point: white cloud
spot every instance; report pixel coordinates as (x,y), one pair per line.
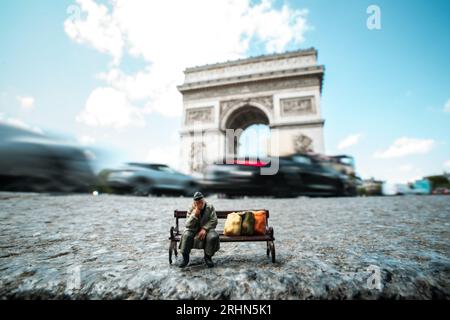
(26,102)
(136,87)
(447,163)
(447,106)
(349,141)
(108,107)
(99,28)
(406,146)
(171,35)
(152,86)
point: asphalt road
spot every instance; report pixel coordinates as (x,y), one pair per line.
(116,247)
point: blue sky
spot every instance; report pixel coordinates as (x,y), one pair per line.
(384,97)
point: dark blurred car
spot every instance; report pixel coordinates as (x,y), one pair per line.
(297,175)
(31,161)
(441,190)
(345,165)
(243,177)
(143,179)
(328,173)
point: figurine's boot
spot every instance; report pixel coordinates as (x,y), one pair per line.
(209,261)
(185,261)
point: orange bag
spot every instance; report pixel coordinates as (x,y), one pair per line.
(260,222)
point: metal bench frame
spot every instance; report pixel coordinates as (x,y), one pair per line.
(175,235)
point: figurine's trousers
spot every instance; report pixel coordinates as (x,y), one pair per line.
(210,244)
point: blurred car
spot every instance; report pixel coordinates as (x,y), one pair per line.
(320,179)
(243,177)
(297,175)
(31,161)
(345,165)
(143,179)
(441,190)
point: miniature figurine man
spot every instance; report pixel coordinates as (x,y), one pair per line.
(199,231)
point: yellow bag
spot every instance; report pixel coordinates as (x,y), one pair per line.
(233,224)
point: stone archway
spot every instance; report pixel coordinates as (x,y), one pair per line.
(281,90)
(239,119)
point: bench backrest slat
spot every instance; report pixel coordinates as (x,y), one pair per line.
(179,214)
(221,214)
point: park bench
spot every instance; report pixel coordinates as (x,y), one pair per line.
(175,233)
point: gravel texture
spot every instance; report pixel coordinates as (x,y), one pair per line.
(116,247)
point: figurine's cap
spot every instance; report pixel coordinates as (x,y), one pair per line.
(198,195)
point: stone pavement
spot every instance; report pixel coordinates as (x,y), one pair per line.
(116,247)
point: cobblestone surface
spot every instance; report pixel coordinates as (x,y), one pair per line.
(116,247)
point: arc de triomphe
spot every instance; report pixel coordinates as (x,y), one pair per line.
(280,90)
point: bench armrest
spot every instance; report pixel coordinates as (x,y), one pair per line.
(172,234)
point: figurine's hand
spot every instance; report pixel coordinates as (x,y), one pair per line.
(201,234)
(196,211)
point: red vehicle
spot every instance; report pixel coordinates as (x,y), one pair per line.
(443,191)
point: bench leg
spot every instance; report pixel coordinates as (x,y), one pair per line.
(273,252)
